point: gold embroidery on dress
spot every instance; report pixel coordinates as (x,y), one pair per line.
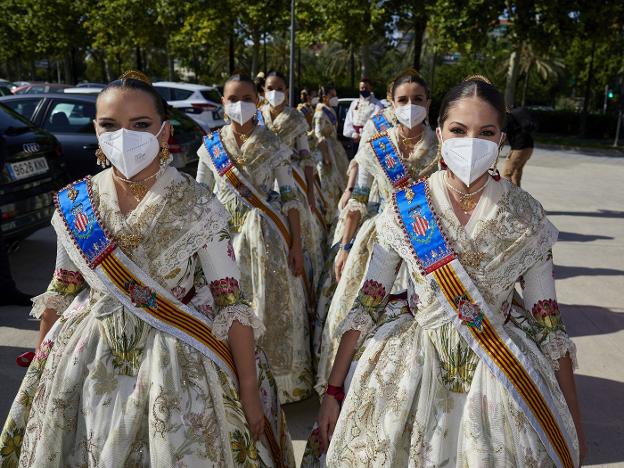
(472,259)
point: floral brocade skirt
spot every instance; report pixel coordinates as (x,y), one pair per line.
(112,391)
(279,299)
(420,398)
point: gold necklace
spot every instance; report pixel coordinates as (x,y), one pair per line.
(466,202)
(243,136)
(405,140)
(138,189)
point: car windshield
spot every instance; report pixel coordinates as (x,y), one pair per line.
(11,120)
(184,127)
(211,95)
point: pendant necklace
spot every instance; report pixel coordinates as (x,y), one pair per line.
(138,189)
(466,201)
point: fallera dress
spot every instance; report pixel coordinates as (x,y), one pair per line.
(290,125)
(277,296)
(106,388)
(418,395)
(334,177)
(422,162)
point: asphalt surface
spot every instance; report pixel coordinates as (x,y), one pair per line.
(584,197)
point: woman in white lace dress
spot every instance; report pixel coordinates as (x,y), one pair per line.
(415,145)
(456,379)
(291,126)
(334,163)
(124,377)
(244,162)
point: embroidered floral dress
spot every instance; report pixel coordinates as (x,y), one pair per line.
(107,389)
(419,396)
(333,178)
(422,162)
(327,281)
(278,297)
(291,127)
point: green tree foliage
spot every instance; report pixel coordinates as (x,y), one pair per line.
(543,52)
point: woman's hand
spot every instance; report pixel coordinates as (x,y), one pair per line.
(346,195)
(295,259)
(341,259)
(325,152)
(328,416)
(250,399)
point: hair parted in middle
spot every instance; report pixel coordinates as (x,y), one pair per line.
(474,86)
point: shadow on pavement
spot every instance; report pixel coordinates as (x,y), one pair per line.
(591,214)
(11,376)
(17,317)
(576,237)
(563,272)
(589,320)
(602,410)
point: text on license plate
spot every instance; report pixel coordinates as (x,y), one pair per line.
(24,169)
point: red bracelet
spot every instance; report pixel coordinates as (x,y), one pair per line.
(337,392)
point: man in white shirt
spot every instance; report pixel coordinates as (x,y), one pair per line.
(360,111)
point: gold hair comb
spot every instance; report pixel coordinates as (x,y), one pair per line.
(136,75)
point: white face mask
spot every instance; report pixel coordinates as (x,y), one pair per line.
(240,111)
(275,97)
(130,151)
(315,101)
(333,101)
(410,114)
(469,158)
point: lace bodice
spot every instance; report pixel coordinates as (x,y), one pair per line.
(507,240)
(177,234)
(263,160)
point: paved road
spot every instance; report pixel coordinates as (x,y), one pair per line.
(584,196)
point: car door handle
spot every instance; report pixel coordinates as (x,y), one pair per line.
(90,147)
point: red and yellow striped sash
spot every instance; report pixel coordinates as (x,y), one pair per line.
(166,312)
(487,337)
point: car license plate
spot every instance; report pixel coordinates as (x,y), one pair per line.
(25,169)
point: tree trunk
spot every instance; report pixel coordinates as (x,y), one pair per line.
(590,77)
(434,57)
(255,53)
(298,68)
(170,64)
(512,78)
(526,84)
(231,46)
(420,25)
(264,53)
(67,69)
(107,71)
(364,51)
(103,72)
(352,66)
(139,62)
(195,67)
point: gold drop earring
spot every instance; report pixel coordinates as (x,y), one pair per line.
(101,158)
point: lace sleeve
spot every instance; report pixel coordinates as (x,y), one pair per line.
(539,297)
(222,276)
(374,292)
(318,126)
(287,188)
(66,283)
(205,175)
(361,192)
